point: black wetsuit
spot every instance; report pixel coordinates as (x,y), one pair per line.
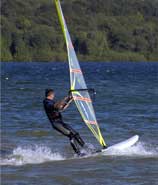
(56,120)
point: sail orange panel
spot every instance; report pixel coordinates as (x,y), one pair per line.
(91,122)
(82,98)
(76,71)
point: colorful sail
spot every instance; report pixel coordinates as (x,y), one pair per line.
(78,86)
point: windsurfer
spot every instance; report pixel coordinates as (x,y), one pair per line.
(53,110)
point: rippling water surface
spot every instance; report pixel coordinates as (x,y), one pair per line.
(126,104)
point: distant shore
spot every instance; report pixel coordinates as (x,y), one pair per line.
(116,57)
(81,61)
(100,30)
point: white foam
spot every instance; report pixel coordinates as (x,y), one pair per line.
(31,155)
(139,150)
(39,154)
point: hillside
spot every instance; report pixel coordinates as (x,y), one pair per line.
(102,30)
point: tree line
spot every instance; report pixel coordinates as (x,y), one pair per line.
(102,30)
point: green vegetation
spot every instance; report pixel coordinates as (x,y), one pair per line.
(102,30)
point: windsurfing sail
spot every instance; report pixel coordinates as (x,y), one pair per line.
(78,86)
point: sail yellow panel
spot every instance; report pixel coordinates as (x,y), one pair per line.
(78,85)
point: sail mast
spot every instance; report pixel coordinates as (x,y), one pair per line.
(78,87)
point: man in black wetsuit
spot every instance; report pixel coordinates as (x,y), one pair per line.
(53,110)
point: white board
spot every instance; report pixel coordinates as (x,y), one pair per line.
(123,145)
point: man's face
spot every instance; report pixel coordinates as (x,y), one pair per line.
(52,95)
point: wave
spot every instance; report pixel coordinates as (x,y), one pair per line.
(31,155)
(39,154)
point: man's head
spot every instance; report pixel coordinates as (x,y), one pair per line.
(49,93)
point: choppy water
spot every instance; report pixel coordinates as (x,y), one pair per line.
(126,104)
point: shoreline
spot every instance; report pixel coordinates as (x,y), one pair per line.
(88,61)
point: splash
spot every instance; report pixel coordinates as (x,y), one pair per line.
(30,155)
(40,154)
(139,150)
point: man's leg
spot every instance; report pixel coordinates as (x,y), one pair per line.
(79,139)
(75,134)
(60,127)
(74,145)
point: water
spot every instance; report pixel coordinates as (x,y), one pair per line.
(126,104)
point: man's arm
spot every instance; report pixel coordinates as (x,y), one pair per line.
(66,106)
(63,104)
